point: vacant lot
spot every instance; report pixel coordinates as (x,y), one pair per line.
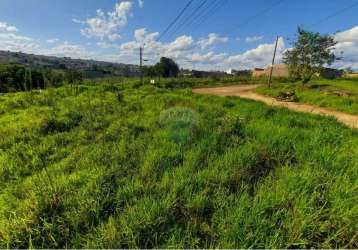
(123,166)
(341,95)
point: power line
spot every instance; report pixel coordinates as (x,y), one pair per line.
(327,18)
(335,14)
(207,8)
(176,19)
(260,13)
(186,20)
(210,13)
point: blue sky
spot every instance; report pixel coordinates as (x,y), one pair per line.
(238,35)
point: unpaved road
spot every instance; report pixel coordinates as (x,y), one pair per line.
(247,92)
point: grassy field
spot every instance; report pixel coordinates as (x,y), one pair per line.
(340,94)
(119,165)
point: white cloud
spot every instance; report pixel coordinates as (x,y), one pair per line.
(105,26)
(187,51)
(52,40)
(182,43)
(175,49)
(4,27)
(348,35)
(103,45)
(211,40)
(141,3)
(75,20)
(10,40)
(252,39)
(208,58)
(348,46)
(142,36)
(14,37)
(15,45)
(259,57)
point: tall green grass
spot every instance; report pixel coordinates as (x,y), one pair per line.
(120,165)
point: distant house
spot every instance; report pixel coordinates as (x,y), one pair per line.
(282,70)
(258,72)
(279,70)
(186,73)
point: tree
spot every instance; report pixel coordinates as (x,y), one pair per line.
(74,76)
(167,67)
(150,71)
(310,52)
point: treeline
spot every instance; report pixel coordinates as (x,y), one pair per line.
(15,77)
(166,68)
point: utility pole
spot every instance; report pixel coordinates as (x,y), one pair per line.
(141,64)
(273,62)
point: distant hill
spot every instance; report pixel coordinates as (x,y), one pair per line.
(91,68)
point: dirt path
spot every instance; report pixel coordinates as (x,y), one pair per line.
(247,92)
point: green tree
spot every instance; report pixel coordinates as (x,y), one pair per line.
(167,67)
(310,52)
(11,77)
(150,71)
(74,77)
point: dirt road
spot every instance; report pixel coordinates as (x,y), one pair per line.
(247,92)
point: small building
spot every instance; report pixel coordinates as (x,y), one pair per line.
(258,72)
(186,73)
(279,70)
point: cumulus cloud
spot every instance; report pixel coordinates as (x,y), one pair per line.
(188,51)
(104,45)
(105,26)
(182,43)
(212,39)
(15,37)
(4,27)
(18,45)
(348,46)
(142,36)
(252,39)
(350,35)
(12,41)
(177,49)
(258,57)
(208,58)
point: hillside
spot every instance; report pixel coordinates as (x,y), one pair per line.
(119,165)
(91,67)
